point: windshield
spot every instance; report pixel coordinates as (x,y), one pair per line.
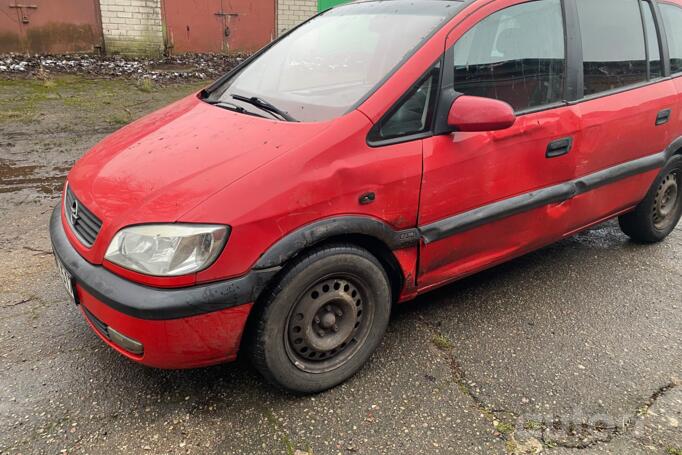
(321,70)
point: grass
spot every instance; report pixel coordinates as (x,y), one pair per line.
(511,446)
(145,85)
(289,445)
(119,119)
(673,451)
(82,102)
(442,342)
(533,425)
(504,428)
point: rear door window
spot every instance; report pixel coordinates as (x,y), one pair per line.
(614,53)
(652,41)
(672,19)
(516,55)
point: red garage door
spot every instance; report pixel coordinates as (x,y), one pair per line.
(218,25)
(49,26)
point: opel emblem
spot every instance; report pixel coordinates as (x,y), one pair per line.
(74,212)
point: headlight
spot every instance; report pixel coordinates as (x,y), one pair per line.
(167,249)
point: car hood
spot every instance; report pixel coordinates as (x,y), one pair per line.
(161,166)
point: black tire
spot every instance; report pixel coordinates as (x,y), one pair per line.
(660,211)
(323,319)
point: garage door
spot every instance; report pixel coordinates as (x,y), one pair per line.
(218,25)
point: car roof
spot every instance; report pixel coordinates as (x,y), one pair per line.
(410,6)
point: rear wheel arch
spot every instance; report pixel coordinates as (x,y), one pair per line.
(656,216)
(675,148)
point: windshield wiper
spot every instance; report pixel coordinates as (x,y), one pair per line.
(260,103)
(232,107)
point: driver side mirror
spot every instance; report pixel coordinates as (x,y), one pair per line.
(477,114)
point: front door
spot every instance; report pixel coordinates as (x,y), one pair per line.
(490,196)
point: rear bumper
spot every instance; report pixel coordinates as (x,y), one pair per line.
(176,328)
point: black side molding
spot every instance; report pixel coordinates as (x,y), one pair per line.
(619,172)
(316,232)
(149,303)
(535,199)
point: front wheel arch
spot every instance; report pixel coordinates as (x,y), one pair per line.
(259,336)
(373,245)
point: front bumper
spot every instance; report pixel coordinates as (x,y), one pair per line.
(177,328)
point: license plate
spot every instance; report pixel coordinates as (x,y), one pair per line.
(67,279)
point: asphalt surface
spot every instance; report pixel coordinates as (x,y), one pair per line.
(574,349)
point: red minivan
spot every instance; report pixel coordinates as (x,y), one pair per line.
(378,151)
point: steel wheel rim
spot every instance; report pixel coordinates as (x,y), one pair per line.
(328,323)
(666,201)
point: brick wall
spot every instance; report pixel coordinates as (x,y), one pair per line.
(132,27)
(290,13)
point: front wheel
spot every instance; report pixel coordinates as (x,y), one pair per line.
(323,320)
(658,214)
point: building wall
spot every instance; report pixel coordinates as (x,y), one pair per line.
(136,27)
(290,13)
(49,26)
(132,27)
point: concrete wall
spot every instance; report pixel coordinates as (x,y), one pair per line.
(290,13)
(132,27)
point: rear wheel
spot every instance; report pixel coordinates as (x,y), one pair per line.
(658,214)
(323,319)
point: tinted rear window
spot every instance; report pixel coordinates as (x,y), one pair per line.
(672,19)
(653,44)
(614,52)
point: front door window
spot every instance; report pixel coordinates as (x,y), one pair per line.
(516,55)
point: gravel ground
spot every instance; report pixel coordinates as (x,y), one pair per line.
(574,349)
(186,67)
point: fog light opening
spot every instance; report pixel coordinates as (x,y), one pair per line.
(130,345)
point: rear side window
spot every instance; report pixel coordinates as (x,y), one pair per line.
(516,55)
(614,52)
(672,19)
(653,44)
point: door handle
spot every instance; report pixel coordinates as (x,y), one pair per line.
(663,117)
(559,147)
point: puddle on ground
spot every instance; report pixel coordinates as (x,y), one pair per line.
(15,177)
(604,236)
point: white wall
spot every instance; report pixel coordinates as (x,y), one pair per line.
(132,27)
(290,13)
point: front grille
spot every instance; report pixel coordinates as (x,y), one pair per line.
(82,221)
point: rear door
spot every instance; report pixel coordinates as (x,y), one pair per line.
(671,14)
(625,103)
(490,196)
